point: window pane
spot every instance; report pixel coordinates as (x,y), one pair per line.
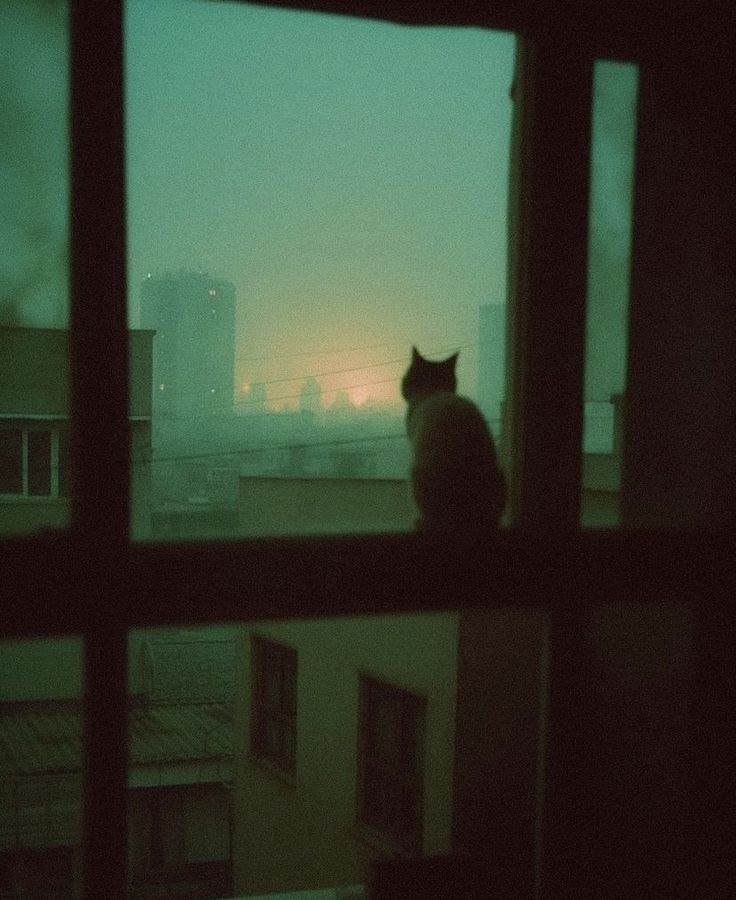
(64,464)
(456,704)
(11,461)
(40,768)
(308,197)
(409,728)
(609,254)
(39,462)
(34,241)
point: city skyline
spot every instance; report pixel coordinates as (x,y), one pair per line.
(350,178)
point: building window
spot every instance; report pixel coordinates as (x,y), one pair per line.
(390,762)
(273,727)
(34,462)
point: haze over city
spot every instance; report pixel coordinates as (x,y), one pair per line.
(350,178)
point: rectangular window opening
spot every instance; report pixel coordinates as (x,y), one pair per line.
(391,762)
(339,195)
(612,171)
(274,705)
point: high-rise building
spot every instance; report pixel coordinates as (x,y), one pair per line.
(193,315)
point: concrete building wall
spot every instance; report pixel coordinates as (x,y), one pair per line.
(498,741)
(272,506)
(301,833)
(40,669)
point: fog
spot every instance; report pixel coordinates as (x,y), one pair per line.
(346,180)
(34,181)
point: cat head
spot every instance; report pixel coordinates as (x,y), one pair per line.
(424,377)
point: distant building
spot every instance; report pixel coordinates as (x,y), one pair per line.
(180,728)
(310,396)
(180,682)
(34,429)
(193,316)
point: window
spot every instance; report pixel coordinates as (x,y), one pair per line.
(374,161)
(274,704)
(682,230)
(613,143)
(390,762)
(34,462)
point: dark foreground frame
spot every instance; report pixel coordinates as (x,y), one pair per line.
(92,580)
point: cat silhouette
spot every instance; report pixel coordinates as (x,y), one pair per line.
(455,478)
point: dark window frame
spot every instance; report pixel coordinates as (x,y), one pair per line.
(545,560)
(400,779)
(274,704)
(54,469)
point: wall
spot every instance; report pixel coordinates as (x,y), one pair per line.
(301,835)
(24,515)
(40,669)
(271,506)
(499,715)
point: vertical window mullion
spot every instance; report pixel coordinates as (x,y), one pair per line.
(99,427)
(548,253)
(548,262)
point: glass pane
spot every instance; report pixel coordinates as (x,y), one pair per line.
(609,253)
(308,197)
(34,237)
(410,731)
(210,816)
(11,461)
(40,768)
(39,463)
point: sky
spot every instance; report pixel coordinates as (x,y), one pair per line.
(34,161)
(349,177)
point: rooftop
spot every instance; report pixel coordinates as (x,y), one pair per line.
(44,738)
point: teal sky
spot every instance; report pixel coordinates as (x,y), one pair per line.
(349,177)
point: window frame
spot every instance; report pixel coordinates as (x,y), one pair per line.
(373,692)
(268,659)
(55,480)
(544,561)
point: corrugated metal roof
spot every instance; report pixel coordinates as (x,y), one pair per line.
(176,733)
(190,669)
(40,739)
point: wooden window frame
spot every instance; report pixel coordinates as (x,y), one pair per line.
(544,560)
(373,691)
(269,658)
(56,482)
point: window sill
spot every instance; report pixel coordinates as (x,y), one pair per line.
(32,499)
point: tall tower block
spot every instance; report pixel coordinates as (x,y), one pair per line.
(193,316)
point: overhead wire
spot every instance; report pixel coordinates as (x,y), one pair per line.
(245,401)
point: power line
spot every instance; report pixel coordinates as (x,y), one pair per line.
(318,352)
(315,375)
(246,451)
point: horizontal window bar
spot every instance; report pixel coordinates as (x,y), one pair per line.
(156,585)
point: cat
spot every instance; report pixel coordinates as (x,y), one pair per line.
(455,479)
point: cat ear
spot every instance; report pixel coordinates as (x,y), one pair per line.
(415,354)
(451,361)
